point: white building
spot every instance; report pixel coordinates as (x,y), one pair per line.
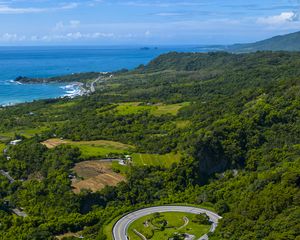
(15,142)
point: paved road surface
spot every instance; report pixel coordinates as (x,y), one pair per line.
(93,88)
(19,212)
(121,227)
(6,174)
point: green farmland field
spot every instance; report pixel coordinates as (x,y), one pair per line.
(156,110)
(90,149)
(155,159)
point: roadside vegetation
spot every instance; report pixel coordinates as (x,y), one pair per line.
(217,129)
(167,225)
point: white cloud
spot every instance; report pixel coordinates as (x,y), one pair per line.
(4,9)
(7,9)
(74,23)
(147,33)
(61,26)
(68,6)
(12,37)
(168,14)
(93,3)
(284,17)
(70,36)
(163,4)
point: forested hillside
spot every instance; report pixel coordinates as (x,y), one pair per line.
(233,119)
(288,42)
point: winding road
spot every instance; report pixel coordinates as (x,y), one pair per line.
(93,88)
(6,174)
(121,227)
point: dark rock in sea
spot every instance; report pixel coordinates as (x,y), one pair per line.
(23,79)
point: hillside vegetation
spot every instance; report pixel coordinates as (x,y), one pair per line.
(76,77)
(289,42)
(238,139)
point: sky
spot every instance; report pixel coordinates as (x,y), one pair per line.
(141,22)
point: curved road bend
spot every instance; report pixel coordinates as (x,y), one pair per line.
(121,227)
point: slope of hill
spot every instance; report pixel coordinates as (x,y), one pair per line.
(237,131)
(289,42)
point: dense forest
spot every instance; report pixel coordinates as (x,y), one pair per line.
(237,130)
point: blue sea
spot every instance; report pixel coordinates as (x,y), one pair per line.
(54,61)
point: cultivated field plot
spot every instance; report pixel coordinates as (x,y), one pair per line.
(165,225)
(172,109)
(53,142)
(95,175)
(156,109)
(99,148)
(165,160)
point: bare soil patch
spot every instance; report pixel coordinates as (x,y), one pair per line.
(54,142)
(95,175)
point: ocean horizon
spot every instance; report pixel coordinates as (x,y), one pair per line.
(49,61)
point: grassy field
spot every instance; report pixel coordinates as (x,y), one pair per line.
(182,124)
(155,159)
(109,228)
(172,109)
(64,105)
(28,132)
(157,109)
(2,147)
(131,108)
(99,148)
(175,223)
(119,168)
(95,175)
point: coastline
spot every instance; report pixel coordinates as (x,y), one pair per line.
(58,62)
(71,90)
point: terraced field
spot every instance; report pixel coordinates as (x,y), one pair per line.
(95,175)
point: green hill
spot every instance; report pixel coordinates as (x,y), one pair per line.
(236,150)
(289,42)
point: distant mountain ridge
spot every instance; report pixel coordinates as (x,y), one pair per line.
(288,42)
